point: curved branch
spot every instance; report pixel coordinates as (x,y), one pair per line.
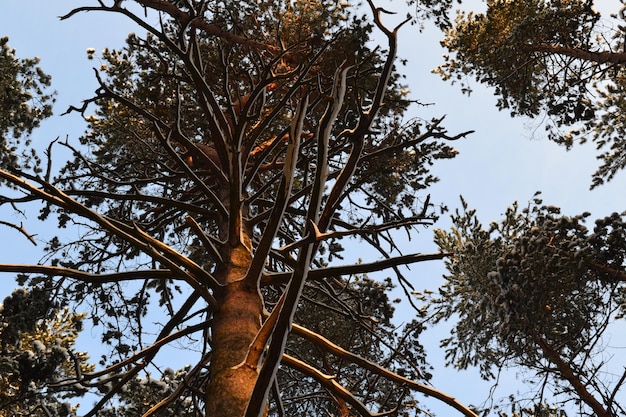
(163,338)
(149,353)
(364,124)
(195,276)
(338,351)
(323,136)
(184,18)
(200,23)
(282,198)
(20,229)
(329,382)
(567,373)
(182,205)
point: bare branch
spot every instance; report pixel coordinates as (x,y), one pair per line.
(275,278)
(282,198)
(329,382)
(265,333)
(601,57)
(133,235)
(165,336)
(567,373)
(86,276)
(22,230)
(379,370)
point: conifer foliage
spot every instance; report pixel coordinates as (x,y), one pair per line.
(232,149)
(559,60)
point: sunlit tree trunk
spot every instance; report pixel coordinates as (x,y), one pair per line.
(235,325)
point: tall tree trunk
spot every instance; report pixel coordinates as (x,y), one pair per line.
(235,325)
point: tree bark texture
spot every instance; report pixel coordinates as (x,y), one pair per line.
(236,323)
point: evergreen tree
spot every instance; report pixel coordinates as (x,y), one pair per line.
(537,291)
(232,149)
(560,60)
(25,103)
(37,356)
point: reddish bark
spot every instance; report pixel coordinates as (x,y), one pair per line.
(600,57)
(567,373)
(236,322)
(235,326)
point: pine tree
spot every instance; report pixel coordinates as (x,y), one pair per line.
(232,150)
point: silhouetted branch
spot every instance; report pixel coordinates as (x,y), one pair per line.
(83,276)
(327,345)
(275,278)
(22,230)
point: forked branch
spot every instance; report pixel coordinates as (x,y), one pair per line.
(338,351)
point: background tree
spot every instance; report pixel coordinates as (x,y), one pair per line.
(37,356)
(537,290)
(561,60)
(232,150)
(25,103)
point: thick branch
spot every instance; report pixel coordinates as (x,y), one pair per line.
(317,274)
(282,197)
(567,373)
(613,273)
(211,29)
(601,57)
(338,351)
(197,277)
(323,137)
(265,333)
(184,19)
(276,347)
(365,122)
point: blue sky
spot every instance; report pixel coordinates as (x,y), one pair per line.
(503,161)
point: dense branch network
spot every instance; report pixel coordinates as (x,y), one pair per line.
(232,151)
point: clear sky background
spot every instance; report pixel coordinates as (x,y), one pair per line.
(505,160)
